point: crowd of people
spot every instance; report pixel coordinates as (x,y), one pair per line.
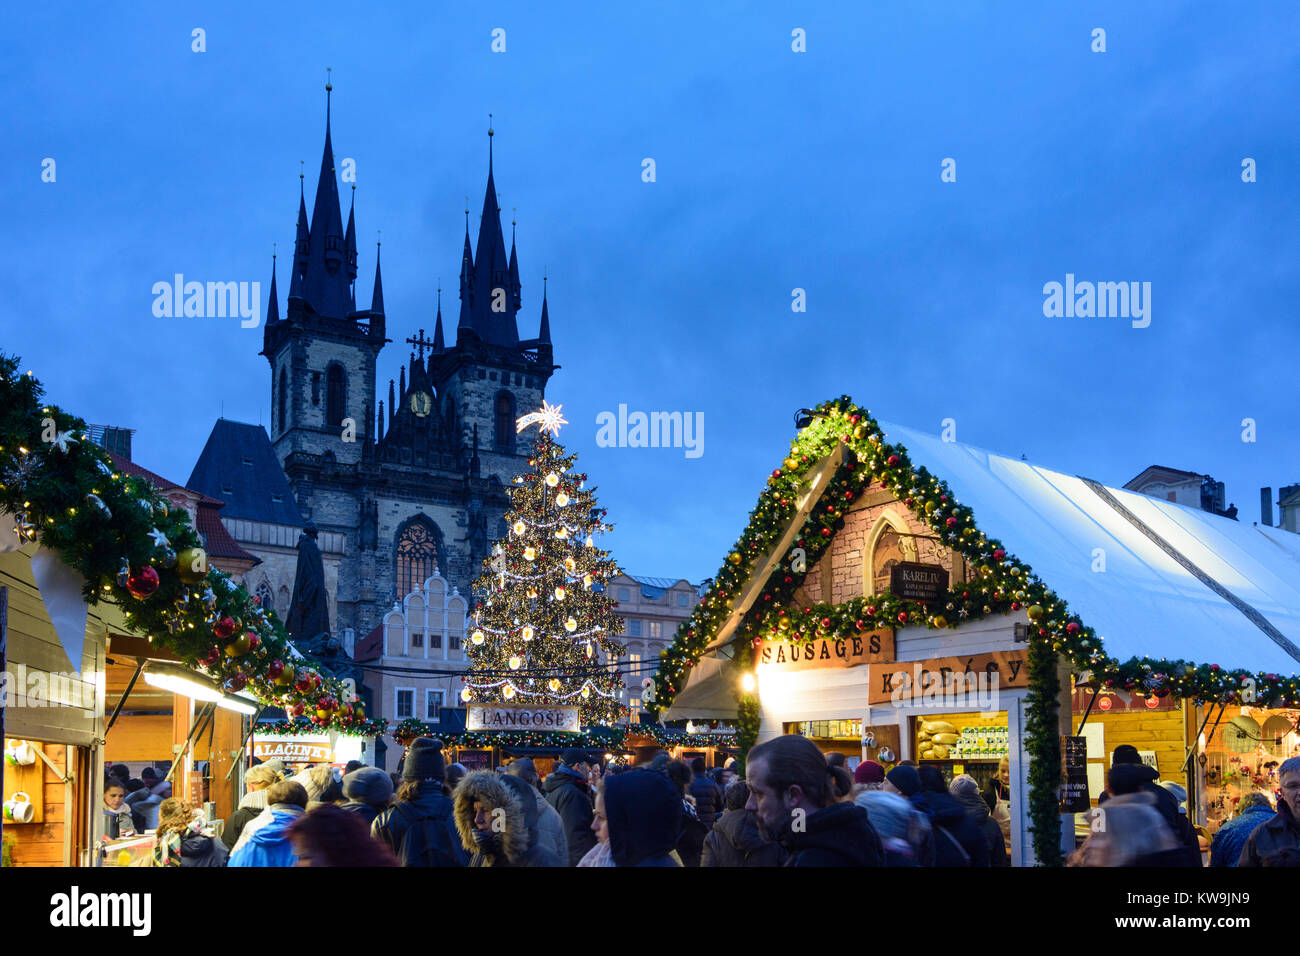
(795,806)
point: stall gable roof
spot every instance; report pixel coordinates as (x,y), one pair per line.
(1151,577)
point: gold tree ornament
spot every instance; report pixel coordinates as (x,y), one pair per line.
(561,499)
(571,625)
(520,527)
(477,637)
(466,694)
(508,692)
(515,663)
(527,632)
(552,480)
(530,553)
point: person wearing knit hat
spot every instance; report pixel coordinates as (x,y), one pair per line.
(368,790)
(569,792)
(903,780)
(420,828)
(869,772)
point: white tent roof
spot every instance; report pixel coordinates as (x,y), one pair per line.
(1147,602)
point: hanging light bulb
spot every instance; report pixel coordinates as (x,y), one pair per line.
(553,685)
(559,593)
(561,499)
(515,662)
(589,649)
(552,480)
(519,527)
(571,625)
(476,637)
(590,543)
(530,553)
(586,580)
(466,694)
(570,565)
(527,632)
(532,592)
(561,532)
(586,692)
(508,692)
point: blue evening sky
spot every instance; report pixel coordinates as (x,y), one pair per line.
(776,170)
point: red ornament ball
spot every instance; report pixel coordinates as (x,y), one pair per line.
(224,628)
(998,554)
(893,460)
(142,583)
(1072,628)
(902,617)
(951,522)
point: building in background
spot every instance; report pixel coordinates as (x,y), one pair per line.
(1288,505)
(652,609)
(1190,488)
(412,660)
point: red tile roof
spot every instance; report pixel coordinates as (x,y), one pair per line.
(370,647)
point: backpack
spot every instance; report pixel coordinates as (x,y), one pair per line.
(420,844)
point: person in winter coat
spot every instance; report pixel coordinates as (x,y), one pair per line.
(947,814)
(690,842)
(709,801)
(598,855)
(965,789)
(735,839)
(258,780)
(904,831)
(265,841)
(550,828)
(1228,843)
(334,836)
(567,791)
(117,815)
(1132,832)
(1282,830)
(420,828)
(180,840)
(791,792)
(905,782)
(496,817)
(1165,802)
(368,791)
(643,810)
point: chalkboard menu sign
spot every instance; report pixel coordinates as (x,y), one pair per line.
(918,582)
(1074,775)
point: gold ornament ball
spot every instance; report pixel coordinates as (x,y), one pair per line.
(1035,612)
(192,565)
(734,557)
(476,637)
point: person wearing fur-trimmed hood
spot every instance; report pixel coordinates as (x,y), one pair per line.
(496,817)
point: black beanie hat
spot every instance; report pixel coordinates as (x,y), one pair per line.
(423,760)
(1125,753)
(906,779)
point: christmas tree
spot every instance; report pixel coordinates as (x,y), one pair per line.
(543,630)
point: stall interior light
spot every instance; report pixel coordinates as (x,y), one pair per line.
(239,703)
(178,680)
(748,683)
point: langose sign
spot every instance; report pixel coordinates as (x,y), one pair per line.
(309,748)
(521,717)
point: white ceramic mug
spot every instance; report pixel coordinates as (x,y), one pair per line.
(20,753)
(18,808)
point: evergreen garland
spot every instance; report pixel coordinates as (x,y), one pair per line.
(1042,729)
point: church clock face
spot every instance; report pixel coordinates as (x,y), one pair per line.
(421,403)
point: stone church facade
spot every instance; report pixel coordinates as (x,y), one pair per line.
(412,482)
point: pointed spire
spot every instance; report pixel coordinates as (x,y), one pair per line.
(466,278)
(439,344)
(377,300)
(379,425)
(350,237)
(301,243)
(515,300)
(326,285)
(492,270)
(401,382)
(273,306)
(544,334)
(392,402)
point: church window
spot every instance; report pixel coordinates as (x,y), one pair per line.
(505,422)
(284,390)
(417,556)
(315,388)
(335,396)
(265,596)
(888,552)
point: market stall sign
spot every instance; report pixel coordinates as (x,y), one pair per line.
(969,679)
(1074,775)
(869,647)
(918,582)
(522,717)
(308,748)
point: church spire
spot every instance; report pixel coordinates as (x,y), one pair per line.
(273,305)
(439,344)
(326,286)
(515,300)
(350,240)
(301,243)
(492,271)
(544,334)
(377,300)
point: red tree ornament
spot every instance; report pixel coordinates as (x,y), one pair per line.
(142,582)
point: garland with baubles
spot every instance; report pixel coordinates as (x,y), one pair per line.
(1000,583)
(606,738)
(139,552)
(367,727)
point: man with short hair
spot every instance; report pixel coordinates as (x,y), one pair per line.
(1166,804)
(265,842)
(1282,830)
(567,790)
(791,792)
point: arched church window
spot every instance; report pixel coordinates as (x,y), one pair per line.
(417,556)
(887,553)
(266,596)
(335,396)
(505,422)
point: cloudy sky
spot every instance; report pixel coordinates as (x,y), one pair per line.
(775,170)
